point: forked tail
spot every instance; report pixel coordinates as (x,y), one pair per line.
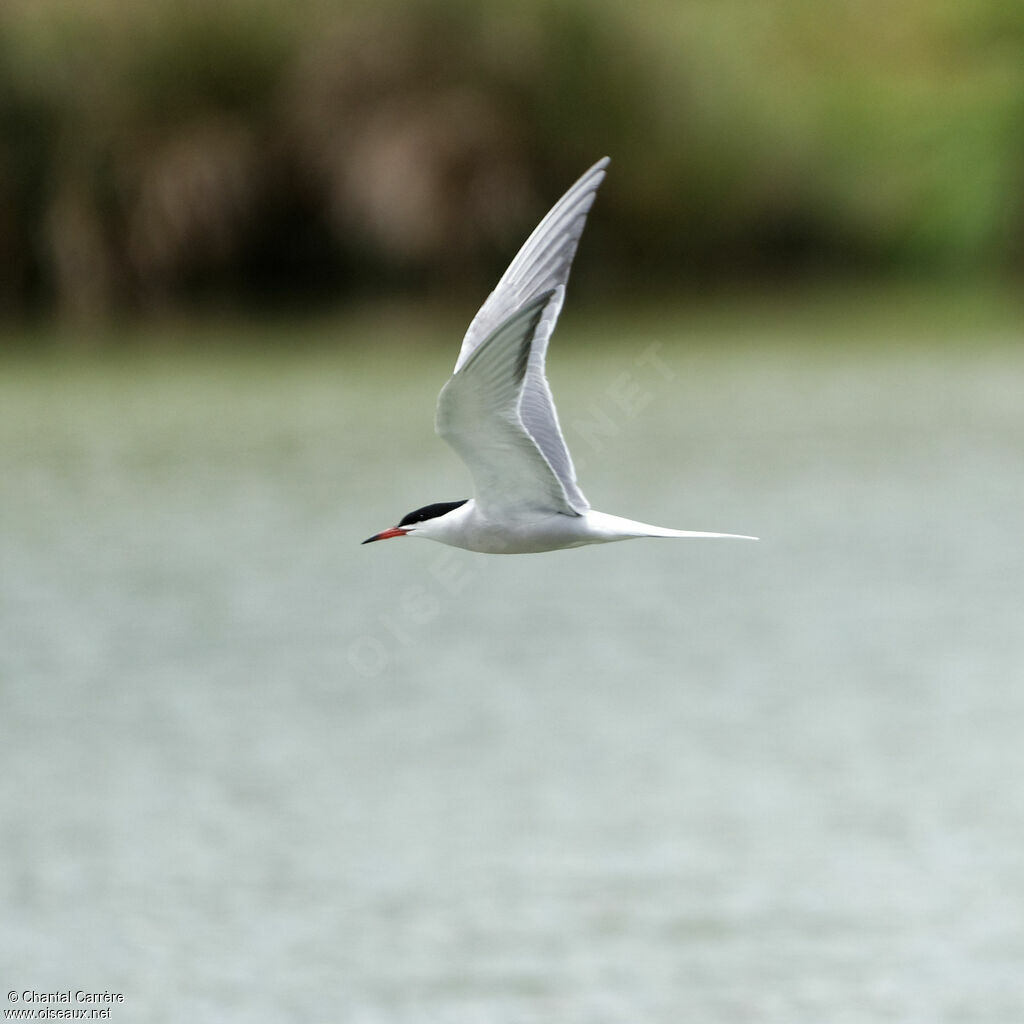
(616,527)
(661,531)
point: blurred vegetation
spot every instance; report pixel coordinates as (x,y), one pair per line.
(256,152)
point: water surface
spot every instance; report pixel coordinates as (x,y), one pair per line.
(256,772)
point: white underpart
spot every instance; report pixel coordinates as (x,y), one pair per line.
(466,527)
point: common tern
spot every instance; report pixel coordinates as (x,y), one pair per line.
(498,414)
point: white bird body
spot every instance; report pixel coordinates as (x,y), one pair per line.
(498,414)
(468,527)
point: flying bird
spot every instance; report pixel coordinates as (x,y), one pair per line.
(497,412)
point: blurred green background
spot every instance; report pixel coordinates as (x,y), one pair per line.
(257,154)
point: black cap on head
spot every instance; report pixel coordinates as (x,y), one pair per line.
(439,508)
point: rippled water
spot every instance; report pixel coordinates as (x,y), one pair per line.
(256,772)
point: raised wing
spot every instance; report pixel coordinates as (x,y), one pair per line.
(541,266)
(478,414)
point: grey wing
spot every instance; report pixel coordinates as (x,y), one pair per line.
(541,265)
(478,414)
